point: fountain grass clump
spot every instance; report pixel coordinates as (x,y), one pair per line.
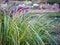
(29,29)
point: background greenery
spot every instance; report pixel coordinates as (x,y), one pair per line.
(56,1)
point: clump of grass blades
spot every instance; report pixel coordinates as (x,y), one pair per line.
(26,30)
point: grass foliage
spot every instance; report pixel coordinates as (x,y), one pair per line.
(30,29)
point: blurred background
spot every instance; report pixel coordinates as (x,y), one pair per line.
(52,1)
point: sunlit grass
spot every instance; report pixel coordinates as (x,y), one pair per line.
(29,29)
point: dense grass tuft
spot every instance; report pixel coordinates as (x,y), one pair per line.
(31,29)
